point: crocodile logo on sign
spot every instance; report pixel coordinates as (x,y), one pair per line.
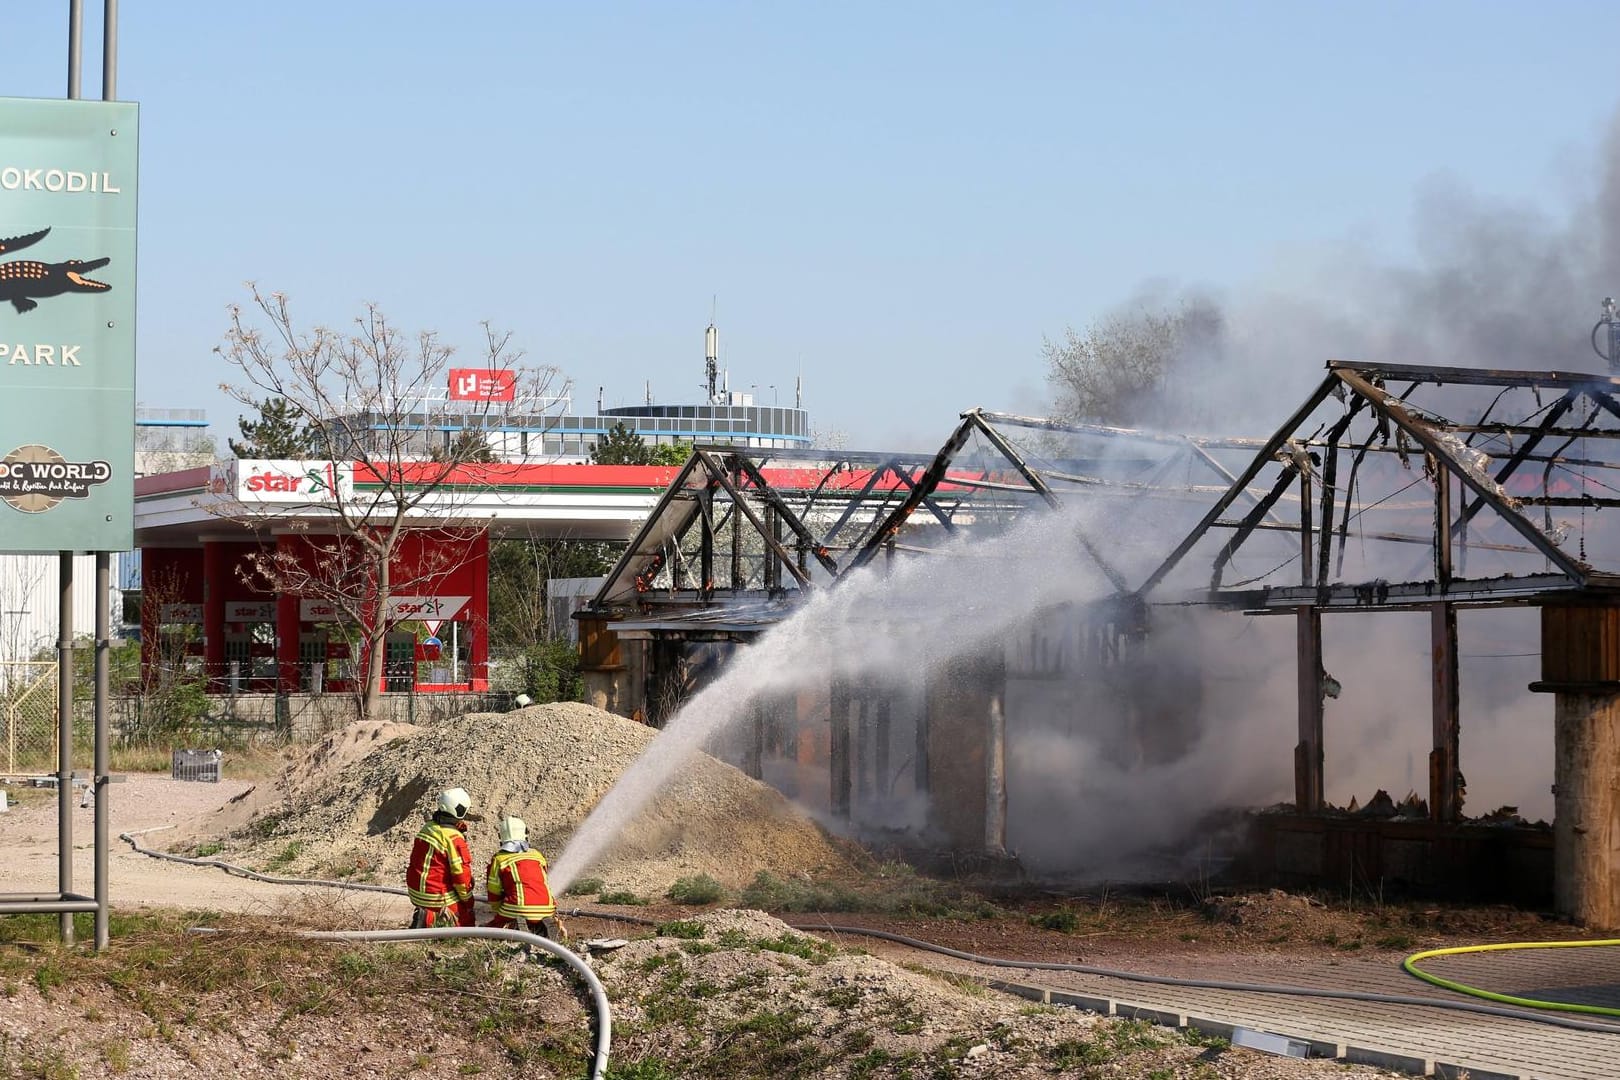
(35,478)
(25,282)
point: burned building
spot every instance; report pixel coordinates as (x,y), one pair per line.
(1393,489)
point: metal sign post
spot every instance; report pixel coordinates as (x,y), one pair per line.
(67,388)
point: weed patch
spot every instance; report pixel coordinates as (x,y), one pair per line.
(696,890)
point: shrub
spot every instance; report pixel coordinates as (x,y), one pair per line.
(681,928)
(584,886)
(1064,922)
(699,889)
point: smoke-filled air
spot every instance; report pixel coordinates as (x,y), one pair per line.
(1092,789)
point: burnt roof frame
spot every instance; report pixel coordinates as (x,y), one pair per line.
(1365,382)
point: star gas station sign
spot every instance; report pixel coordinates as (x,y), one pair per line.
(67,325)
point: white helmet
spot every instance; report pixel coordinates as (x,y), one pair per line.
(513,829)
(455,802)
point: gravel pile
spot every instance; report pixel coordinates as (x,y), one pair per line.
(352,803)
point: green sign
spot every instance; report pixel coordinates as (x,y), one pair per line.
(67,325)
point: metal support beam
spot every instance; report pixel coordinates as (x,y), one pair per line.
(75,47)
(1445,803)
(1308,797)
(48,907)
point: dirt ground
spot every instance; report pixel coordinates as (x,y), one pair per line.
(158,808)
(724,992)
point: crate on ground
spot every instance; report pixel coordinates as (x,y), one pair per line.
(201,765)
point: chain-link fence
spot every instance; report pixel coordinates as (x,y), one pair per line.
(28,713)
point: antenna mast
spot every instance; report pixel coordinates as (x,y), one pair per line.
(711,356)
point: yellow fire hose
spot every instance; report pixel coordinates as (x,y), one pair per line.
(1410,964)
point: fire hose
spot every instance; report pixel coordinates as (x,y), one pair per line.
(1080,969)
(604,1016)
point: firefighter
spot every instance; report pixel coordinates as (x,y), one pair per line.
(439,877)
(518,890)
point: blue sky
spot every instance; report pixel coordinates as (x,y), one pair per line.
(899,199)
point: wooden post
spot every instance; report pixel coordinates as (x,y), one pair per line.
(880,752)
(1445,802)
(1308,797)
(838,765)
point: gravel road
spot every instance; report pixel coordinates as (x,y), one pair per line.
(148,801)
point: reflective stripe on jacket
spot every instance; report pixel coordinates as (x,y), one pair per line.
(440,870)
(518,888)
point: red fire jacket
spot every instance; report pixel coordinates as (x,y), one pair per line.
(440,871)
(518,888)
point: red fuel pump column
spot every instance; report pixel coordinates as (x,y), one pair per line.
(216,588)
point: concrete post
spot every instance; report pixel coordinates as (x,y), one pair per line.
(1586,803)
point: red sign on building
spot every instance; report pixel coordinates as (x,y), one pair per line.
(479,384)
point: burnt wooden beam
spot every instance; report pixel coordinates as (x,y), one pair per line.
(627,562)
(1445,778)
(839,756)
(786,515)
(1519,456)
(1264,456)
(1250,522)
(943,518)
(706,553)
(890,525)
(1308,754)
(1476,376)
(1442,525)
(1425,436)
(783,556)
(849,508)
(1044,490)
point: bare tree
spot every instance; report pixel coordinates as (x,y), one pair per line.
(369,399)
(1115,373)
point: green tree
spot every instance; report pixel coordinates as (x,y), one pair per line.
(621,447)
(674,454)
(277,433)
(1117,371)
(624,447)
(469,447)
(518,572)
(522,636)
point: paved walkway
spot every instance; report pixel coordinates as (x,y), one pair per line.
(1411,1038)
